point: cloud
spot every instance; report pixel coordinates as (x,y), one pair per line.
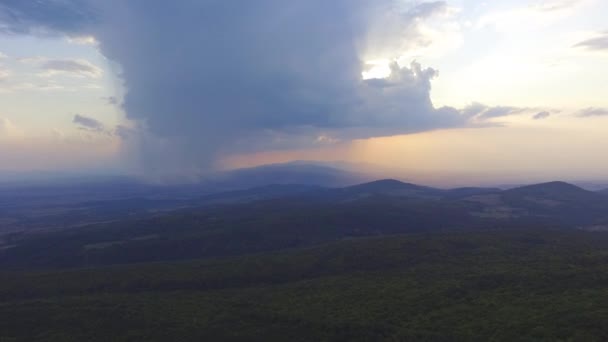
(541,115)
(83,40)
(37,73)
(88,123)
(111,100)
(8,129)
(58,134)
(124,132)
(70,67)
(428,28)
(592,112)
(481,112)
(33,60)
(91,125)
(46,17)
(4,74)
(530,16)
(209,78)
(559,5)
(598,43)
(47,85)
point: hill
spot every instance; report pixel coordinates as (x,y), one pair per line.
(554,191)
(460,193)
(291,216)
(383,260)
(393,187)
(542,285)
(288,173)
(51,203)
(234,229)
(554,201)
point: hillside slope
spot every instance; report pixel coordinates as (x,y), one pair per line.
(554,201)
(548,285)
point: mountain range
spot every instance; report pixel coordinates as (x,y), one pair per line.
(63,203)
(313,252)
(279,216)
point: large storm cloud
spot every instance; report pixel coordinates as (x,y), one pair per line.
(208,77)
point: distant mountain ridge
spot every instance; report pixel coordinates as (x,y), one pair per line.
(64,205)
(279,216)
(556,189)
(561,201)
(523,200)
(289,173)
(383,187)
(393,187)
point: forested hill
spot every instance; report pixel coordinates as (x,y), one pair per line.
(541,285)
(276,217)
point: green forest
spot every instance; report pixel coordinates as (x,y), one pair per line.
(544,284)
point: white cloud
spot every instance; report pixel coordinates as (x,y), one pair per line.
(57,134)
(67,67)
(33,60)
(83,40)
(39,86)
(8,129)
(557,5)
(4,74)
(326,139)
(595,42)
(427,29)
(70,67)
(536,15)
(39,73)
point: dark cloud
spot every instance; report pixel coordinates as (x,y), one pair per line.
(592,111)
(124,132)
(596,43)
(206,78)
(88,123)
(46,17)
(541,115)
(428,9)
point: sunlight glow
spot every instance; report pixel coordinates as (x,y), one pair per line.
(374,69)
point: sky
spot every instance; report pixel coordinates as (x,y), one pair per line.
(442,92)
